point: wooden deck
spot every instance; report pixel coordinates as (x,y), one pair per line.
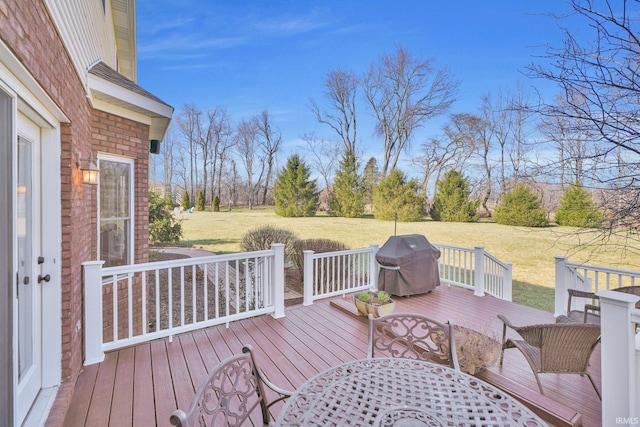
(143,385)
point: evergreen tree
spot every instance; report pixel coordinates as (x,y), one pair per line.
(451,202)
(295,194)
(163,228)
(215,206)
(394,195)
(577,209)
(186,203)
(347,198)
(521,207)
(200,201)
(371,179)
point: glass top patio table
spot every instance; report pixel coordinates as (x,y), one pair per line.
(401,392)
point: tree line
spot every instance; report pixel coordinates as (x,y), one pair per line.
(586,136)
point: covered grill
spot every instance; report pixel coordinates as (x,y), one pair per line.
(408,265)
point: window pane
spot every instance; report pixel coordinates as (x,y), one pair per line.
(114,189)
(115,212)
(113,242)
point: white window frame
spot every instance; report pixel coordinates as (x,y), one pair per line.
(131,235)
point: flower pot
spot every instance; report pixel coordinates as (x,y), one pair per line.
(378,310)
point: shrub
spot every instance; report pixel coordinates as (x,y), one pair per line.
(163,228)
(215,206)
(200,201)
(451,202)
(394,195)
(295,194)
(521,207)
(316,245)
(577,209)
(261,238)
(186,202)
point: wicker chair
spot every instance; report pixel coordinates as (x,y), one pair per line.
(413,336)
(229,395)
(562,348)
(591,312)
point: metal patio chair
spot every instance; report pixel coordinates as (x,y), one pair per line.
(230,394)
(561,348)
(413,336)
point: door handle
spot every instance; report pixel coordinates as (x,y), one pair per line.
(44,278)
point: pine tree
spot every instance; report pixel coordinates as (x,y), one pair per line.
(395,197)
(451,202)
(200,201)
(371,179)
(347,197)
(521,207)
(186,203)
(295,194)
(577,209)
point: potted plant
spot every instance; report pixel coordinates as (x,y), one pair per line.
(376,303)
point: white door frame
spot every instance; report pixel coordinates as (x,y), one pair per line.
(33,102)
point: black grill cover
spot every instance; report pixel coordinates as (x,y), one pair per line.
(408,265)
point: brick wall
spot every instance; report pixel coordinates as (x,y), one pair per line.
(26,28)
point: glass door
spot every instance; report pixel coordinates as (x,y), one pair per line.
(27,287)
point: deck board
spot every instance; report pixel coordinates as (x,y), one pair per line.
(143,385)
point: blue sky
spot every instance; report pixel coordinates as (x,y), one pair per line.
(248,56)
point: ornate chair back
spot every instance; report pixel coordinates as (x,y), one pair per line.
(229,395)
(413,336)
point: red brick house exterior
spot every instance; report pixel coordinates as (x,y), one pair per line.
(48,83)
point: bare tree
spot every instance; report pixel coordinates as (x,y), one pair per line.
(189,127)
(270,140)
(220,133)
(599,76)
(341,93)
(324,157)
(247,148)
(404,92)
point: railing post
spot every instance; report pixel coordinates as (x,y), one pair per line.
(561,296)
(373,266)
(619,374)
(278,280)
(308,277)
(507,282)
(479,271)
(92,272)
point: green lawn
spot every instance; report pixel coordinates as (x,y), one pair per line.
(530,250)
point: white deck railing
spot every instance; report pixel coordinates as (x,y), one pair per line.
(620,358)
(337,273)
(475,269)
(591,278)
(130,304)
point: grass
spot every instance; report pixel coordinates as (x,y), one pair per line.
(530,250)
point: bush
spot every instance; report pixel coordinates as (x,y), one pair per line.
(521,207)
(294,193)
(394,195)
(577,209)
(215,206)
(186,202)
(451,202)
(200,201)
(318,246)
(261,238)
(163,228)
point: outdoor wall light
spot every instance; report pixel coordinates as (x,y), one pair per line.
(90,173)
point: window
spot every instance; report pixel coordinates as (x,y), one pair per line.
(115,189)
